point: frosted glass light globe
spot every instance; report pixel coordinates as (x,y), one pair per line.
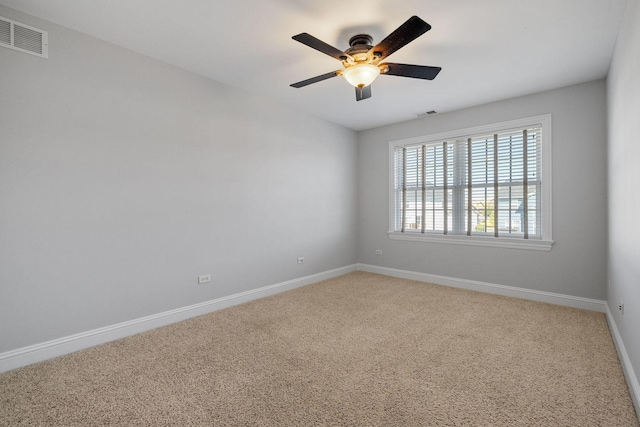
(361,75)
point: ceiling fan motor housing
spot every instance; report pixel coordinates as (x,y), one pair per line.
(358,39)
(360,44)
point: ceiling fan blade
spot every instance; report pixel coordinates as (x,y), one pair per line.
(315,79)
(363,93)
(413,28)
(414,71)
(319,45)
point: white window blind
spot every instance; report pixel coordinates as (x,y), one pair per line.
(487,183)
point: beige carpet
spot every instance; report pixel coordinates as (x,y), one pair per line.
(358,350)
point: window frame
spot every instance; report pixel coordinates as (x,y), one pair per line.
(511,242)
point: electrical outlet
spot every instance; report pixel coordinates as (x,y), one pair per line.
(621,308)
(301,260)
(205,278)
(378,252)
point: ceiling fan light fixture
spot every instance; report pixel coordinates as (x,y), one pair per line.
(361,75)
(362,60)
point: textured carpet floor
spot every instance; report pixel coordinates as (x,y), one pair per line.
(358,350)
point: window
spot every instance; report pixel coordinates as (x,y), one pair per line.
(489,186)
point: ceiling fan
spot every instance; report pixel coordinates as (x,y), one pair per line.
(362,61)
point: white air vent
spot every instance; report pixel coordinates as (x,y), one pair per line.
(23,38)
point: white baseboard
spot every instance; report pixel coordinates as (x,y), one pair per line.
(491,288)
(627,368)
(39,352)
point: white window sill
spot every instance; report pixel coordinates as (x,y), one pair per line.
(504,242)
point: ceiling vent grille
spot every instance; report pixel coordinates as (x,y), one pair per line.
(23,38)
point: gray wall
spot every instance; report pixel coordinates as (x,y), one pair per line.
(123,178)
(624,178)
(577,263)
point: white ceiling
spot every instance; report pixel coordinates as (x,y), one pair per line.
(488,50)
